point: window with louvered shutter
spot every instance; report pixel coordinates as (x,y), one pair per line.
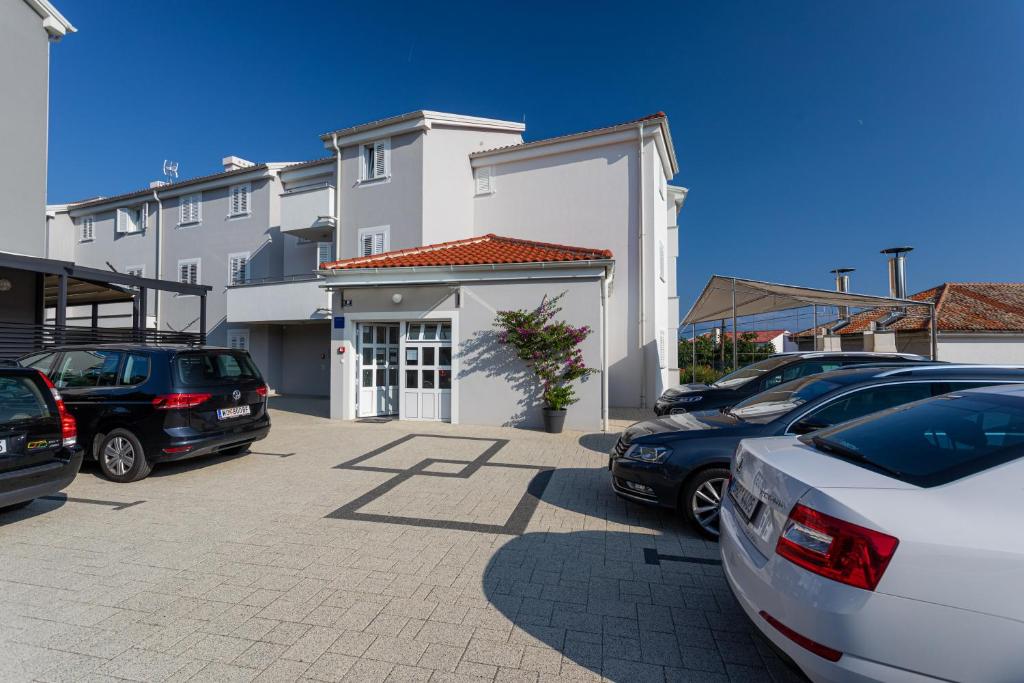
(240,199)
(129,219)
(373,241)
(484,177)
(188,271)
(376,160)
(238,339)
(661,348)
(190,209)
(86,228)
(324,253)
(238,268)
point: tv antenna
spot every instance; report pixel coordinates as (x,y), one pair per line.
(170,170)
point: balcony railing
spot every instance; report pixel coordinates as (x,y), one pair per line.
(18,339)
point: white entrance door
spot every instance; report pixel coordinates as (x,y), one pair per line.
(428,372)
(378,369)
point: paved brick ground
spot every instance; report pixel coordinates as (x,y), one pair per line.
(279,566)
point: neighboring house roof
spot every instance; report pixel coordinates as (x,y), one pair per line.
(959,307)
(484,250)
(660,117)
(760,336)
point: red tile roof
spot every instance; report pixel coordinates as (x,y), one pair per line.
(960,307)
(760,336)
(484,250)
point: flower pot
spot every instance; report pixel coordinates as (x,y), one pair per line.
(554,420)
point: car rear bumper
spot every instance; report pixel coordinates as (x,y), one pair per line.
(629,475)
(894,638)
(208,444)
(17,486)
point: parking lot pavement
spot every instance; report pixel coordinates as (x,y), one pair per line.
(368,552)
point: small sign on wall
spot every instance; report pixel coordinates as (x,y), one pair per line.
(339,322)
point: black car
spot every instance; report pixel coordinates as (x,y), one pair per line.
(682,461)
(39,453)
(765,374)
(138,405)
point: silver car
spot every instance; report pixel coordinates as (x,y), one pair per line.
(889,548)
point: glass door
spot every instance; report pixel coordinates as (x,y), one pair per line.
(378,369)
(428,371)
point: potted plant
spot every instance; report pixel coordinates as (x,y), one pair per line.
(551,349)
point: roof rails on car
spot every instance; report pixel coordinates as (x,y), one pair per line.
(946,366)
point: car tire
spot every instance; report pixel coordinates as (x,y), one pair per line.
(121,457)
(16,506)
(702,491)
(235,450)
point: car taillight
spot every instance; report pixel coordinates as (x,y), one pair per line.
(261,390)
(834,548)
(68,426)
(179,401)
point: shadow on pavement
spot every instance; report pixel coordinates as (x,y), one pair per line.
(314,406)
(39,506)
(596,598)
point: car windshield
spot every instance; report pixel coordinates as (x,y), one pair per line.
(784,397)
(202,368)
(932,442)
(737,379)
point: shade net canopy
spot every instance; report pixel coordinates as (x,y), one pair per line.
(754,297)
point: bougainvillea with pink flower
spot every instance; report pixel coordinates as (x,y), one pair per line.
(551,349)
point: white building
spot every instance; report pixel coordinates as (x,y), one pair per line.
(401,183)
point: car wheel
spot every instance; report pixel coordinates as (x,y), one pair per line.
(702,499)
(121,457)
(235,450)
(16,506)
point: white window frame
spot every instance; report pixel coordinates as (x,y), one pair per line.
(248,267)
(199,271)
(190,209)
(382,229)
(120,226)
(240,334)
(86,229)
(365,175)
(330,245)
(248,200)
(483,181)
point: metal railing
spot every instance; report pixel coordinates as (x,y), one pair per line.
(18,339)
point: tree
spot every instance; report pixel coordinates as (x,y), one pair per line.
(709,355)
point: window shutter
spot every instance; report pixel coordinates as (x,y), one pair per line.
(661,348)
(378,243)
(244,195)
(183,272)
(484,183)
(379,162)
(661,260)
(324,253)
(366,248)
(121,220)
(239,269)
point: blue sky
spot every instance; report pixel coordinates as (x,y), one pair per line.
(810,134)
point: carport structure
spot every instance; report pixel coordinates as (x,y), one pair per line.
(732,297)
(30,286)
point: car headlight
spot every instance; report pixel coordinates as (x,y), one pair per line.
(688,399)
(648,453)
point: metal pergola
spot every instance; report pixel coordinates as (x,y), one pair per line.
(725,296)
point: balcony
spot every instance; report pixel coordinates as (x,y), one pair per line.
(283,300)
(307,213)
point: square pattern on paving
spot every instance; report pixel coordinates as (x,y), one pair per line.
(235,569)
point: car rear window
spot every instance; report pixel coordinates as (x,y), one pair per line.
(203,368)
(932,442)
(21,399)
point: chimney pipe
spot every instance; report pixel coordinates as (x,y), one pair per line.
(843,285)
(898,271)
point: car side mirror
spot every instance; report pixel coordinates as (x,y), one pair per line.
(806,426)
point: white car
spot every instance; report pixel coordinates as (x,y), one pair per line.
(889,548)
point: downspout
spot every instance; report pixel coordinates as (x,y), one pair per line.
(640,270)
(604,347)
(337,196)
(159,255)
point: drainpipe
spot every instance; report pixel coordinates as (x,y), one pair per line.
(604,351)
(640,269)
(337,196)
(159,255)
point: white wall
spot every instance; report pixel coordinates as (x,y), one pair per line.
(967,348)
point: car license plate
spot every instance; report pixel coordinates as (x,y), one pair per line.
(746,501)
(3,446)
(228,413)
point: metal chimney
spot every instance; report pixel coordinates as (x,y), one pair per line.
(898,271)
(843,285)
